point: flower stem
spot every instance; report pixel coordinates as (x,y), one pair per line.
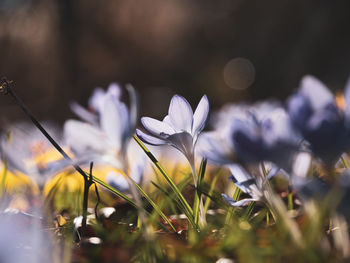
(198,207)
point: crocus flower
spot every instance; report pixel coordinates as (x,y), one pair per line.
(320,120)
(104,136)
(180,128)
(251,138)
(27,151)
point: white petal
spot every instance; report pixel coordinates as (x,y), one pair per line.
(113,120)
(167,120)
(149,139)
(117,181)
(137,161)
(96,99)
(200,116)
(181,114)
(318,94)
(302,164)
(83,137)
(83,114)
(242,202)
(156,127)
(114,90)
(239,173)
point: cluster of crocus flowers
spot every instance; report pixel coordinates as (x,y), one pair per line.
(245,139)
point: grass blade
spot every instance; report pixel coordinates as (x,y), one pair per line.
(172,185)
(154,205)
(211,190)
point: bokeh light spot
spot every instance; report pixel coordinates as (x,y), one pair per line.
(239,73)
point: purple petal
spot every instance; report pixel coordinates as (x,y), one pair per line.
(156,127)
(149,138)
(318,94)
(347,99)
(215,149)
(200,116)
(181,114)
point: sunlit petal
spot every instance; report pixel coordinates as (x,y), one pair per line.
(200,116)
(181,114)
(156,127)
(149,138)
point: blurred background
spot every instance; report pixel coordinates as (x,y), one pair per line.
(58,51)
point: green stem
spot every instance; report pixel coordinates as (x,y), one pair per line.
(198,208)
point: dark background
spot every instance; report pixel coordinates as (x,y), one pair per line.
(58,51)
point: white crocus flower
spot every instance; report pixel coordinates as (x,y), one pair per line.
(180,128)
(105,135)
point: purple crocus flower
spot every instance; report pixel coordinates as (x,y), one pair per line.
(319,120)
(251,138)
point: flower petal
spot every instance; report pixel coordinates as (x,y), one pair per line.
(167,120)
(347,100)
(200,116)
(96,99)
(240,175)
(114,90)
(118,181)
(318,94)
(82,137)
(183,142)
(149,138)
(83,114)
(157,128)
(242,202)
(114,120)
(134,107)
(181,114)
(215,148)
